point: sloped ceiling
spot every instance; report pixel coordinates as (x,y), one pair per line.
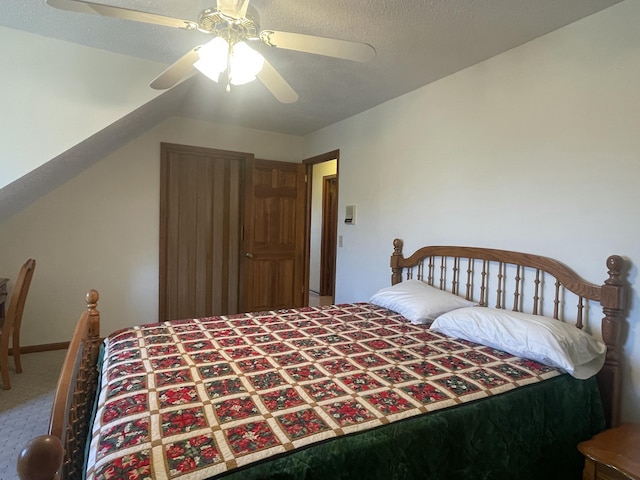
(417,42)
(42,180)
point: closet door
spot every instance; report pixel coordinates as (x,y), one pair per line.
(200,226)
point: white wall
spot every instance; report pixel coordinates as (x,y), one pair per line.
(101,230)
(320,170)
(535,150)
(46,111)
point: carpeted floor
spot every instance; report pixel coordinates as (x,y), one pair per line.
(317,300)
(25,409)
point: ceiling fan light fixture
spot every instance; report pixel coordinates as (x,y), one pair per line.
(213,58)
(243,62)
(246,63)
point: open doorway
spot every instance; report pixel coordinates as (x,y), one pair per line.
(322,188)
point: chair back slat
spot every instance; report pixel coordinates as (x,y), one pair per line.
(19,296)
(10,324)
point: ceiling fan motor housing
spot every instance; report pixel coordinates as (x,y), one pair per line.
(213,21)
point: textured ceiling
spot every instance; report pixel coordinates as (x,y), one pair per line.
(417,42)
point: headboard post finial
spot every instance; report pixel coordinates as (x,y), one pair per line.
(397,246)
(615,264)
(613,299)
(396,256)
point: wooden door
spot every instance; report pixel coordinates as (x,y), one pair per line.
(329,231)
(272,264)
(200,226)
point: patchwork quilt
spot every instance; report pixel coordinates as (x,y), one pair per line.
(196,398)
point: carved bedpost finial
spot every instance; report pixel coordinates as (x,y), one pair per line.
(92,301)
(396,256)
(613,298)
(40,459)
(615,264)
(397,246)
(92,298)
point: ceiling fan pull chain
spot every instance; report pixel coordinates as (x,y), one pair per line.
(229,53)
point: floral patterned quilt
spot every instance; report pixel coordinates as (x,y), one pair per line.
(197,398)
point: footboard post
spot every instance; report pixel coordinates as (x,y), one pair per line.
(60,455)
(614,303)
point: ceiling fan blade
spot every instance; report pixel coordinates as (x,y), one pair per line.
(233,8)
(118,12)
(277,85)
(330,47)
(177,71)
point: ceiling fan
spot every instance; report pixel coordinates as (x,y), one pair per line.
(234,25)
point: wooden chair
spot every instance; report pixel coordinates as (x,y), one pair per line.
(10,325)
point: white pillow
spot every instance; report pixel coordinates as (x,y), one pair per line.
(417,301)
(545,340)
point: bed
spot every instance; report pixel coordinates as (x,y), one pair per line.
(352,390)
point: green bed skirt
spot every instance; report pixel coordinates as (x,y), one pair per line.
(528,433)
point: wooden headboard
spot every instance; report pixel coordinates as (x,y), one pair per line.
(528,283)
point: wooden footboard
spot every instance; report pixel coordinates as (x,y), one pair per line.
(528,283)
(60,454)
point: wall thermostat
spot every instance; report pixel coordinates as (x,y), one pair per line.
(350,215)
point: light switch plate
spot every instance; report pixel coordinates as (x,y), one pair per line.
(350,215)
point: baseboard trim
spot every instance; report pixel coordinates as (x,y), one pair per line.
(47,347)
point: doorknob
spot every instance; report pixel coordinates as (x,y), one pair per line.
(248,255)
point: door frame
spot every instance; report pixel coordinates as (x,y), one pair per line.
(309,163)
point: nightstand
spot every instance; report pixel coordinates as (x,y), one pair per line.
(613,454)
